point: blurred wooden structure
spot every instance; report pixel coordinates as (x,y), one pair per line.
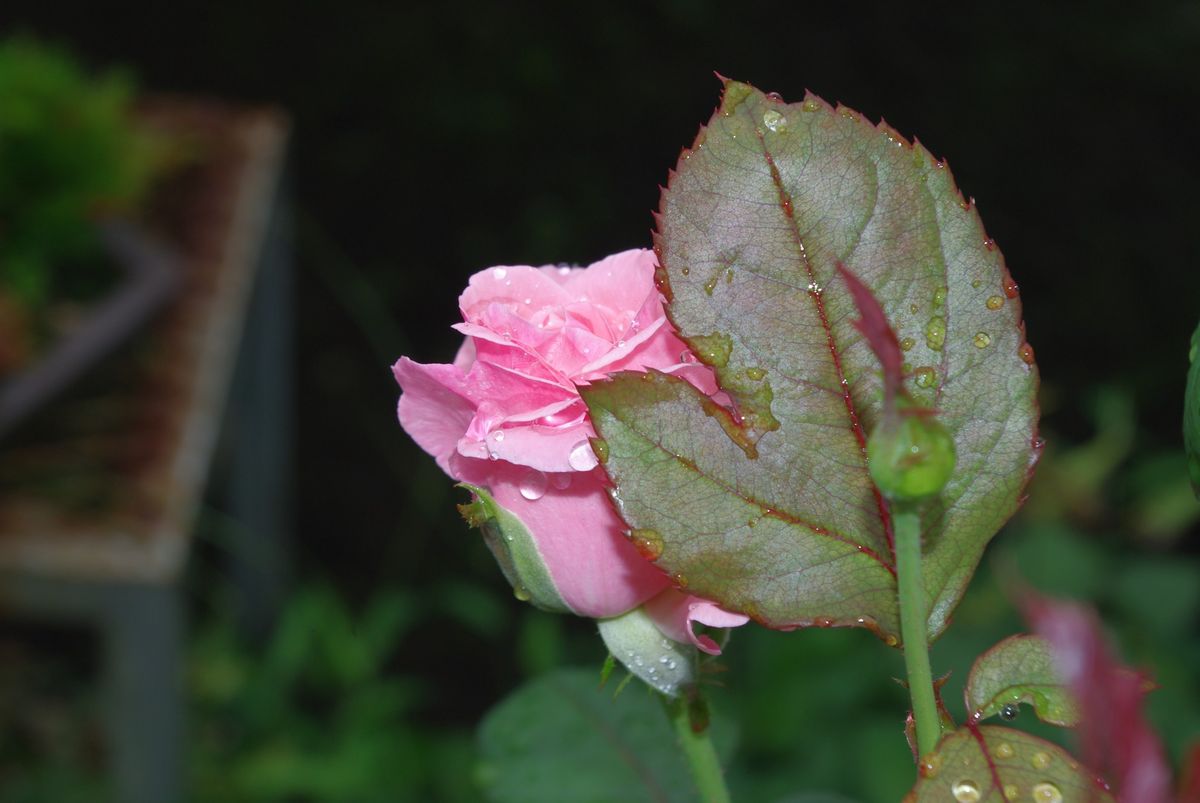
(100,492)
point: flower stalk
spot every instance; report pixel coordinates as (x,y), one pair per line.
(914,615)
(689,721)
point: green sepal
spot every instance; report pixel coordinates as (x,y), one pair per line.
(663,664)
(514,549)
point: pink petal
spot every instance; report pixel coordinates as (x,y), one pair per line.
(596,569)
(675,613)
(620,282)
(512,284)
(432,408)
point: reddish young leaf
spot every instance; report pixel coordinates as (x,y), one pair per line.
(874,326)
(1116,739)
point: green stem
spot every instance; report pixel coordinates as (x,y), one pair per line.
(913,623)
(698,749)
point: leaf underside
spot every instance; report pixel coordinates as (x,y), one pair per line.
(768,508)
(1020,669)
(994,765)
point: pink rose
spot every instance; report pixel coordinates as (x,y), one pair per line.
(506,418)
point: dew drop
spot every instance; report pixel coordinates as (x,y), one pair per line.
(1010,287)
(931,765)
(815,288)
(989,244)
(906,368)
(995,302)
(499,273)
(600,448)
(533,485)
(1038,442)
(528,300)
(981,340)
(581,457)
(729,276)
(907,343)
(810,106)
(671,664)
(1009,712)
(756,373)
(1004,750)
(648,543)
(975,283)
(914,308)
(664,660)
(499,437)
(891,640)
(1047,793)
(1040,760)
(680,580)
(925,377)
(939,296)
(710,285)
(935,333)
(522,593)
(1026,353)
(1011,791)
(774,120)
(685,270)
(966,792)
(561,480)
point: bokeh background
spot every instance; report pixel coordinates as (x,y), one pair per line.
(433,140)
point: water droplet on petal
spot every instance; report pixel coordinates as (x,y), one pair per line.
(533,485)
(499,273)
(499,436)
(774,120)
(563,270)
(1040,760)
(528,300)
(582,458)
(1047,793)
(560,480)
(981,340)
(1004,750)
(995,302)
(966,792)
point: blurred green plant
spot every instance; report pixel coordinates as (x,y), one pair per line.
(70,153)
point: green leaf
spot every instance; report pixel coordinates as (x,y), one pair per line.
(996,765)
(560,737)
(1191,413)
(1020,669)
(769,509)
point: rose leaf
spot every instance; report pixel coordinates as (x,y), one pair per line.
(994,765)
(1020,669)
(765,505)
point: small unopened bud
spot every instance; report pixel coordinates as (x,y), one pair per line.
(911,456)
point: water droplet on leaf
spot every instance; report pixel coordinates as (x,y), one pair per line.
(931,765)
(939,296)
(907,343)
(649,543)
(1040,760)
(756,373)
(810,106)
(1004,750)
(533,485)
(966,792)
(926,377)
(935,333)
(995,302)
(1047,793)
(774,120)
(981,340)
(1011,791)
(1026,353)
(1009,712)
(522,593)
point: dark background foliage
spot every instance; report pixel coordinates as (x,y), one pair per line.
(433,140)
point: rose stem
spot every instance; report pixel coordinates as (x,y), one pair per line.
(913,622)
(699,751)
